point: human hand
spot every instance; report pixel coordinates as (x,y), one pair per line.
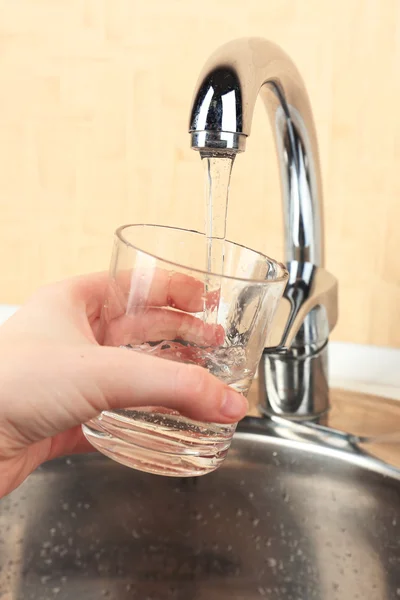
(54,375)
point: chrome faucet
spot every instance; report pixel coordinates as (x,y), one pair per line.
(293,373)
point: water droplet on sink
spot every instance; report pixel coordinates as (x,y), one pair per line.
(135,534)
(271,562)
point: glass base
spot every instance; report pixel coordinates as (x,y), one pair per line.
(160,441)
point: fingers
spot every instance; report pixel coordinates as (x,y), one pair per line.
(158,324)
(160,287)
(78,301)
(141,287)
(136,319)
(49,390)
(131,314)
(129,379)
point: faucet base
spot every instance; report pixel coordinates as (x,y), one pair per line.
(293,386)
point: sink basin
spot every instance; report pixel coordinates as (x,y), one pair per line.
(284,518)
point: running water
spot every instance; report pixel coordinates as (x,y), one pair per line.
(218,169)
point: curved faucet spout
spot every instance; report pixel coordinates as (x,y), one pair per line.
(221,119)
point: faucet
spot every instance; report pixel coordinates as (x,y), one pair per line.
(293,372)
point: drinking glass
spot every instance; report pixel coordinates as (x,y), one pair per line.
(161,300)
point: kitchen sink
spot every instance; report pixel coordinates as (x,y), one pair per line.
(288,516)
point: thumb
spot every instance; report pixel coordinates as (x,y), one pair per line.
(128,378)
(62,387)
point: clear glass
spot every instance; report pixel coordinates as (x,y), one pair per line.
(161,300)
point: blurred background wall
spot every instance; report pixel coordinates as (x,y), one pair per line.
(94,100)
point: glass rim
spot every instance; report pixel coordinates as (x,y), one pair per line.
(119,233)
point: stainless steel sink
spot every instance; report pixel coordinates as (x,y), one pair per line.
(287,517)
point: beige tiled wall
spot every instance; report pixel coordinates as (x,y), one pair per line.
(94,99)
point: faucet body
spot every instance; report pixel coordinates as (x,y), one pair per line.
(293,374)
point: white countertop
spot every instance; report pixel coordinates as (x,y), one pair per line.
(369,369)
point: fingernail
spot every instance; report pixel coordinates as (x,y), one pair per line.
(234,405)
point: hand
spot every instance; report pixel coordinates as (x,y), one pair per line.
(54,375)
